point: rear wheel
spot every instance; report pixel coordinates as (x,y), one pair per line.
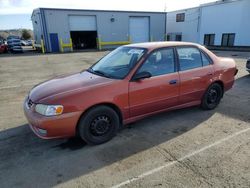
(98,125)
(212,97)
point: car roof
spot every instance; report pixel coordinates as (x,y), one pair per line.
(154,45)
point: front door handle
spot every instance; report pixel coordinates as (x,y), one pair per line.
(172,82)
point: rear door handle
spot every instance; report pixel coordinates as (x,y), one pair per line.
(172,82)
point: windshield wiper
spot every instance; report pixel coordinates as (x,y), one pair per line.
(100,73)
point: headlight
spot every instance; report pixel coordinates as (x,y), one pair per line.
(49,110)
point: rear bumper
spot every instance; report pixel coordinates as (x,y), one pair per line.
(62,126)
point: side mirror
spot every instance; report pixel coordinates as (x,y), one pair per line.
(141,75)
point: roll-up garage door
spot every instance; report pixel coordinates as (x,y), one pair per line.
(82,23)
(139,29)
(83,31)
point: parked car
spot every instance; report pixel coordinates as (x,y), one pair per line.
(26,42)
(3,47)
(14,44)
(29,42)
(130,83)
(248,65)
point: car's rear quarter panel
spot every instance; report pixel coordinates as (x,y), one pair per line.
(225,70)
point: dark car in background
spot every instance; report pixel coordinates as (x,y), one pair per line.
(14,44)
(248,65)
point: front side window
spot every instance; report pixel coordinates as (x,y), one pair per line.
(205,60)
(189,58)
(118,63)
(159,62)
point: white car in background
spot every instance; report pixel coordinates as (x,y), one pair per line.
(14,44)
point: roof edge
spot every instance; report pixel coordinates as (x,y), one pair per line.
(97,10)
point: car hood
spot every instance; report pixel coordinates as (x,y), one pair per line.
(64,84)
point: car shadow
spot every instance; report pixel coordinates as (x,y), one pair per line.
(26,159)
(50,162)
(236,102)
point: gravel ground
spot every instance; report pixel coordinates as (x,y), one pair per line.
(183,148)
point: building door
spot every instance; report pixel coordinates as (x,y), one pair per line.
(139,29)
(83,31)
(54,42)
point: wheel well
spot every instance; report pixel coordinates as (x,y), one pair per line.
(220,83)
(113,106)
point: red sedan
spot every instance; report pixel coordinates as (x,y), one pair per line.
(3,47)
(130,83)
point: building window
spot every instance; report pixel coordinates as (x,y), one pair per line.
(168,37)
(178,37)
(228,39)
(209,39)
(180,17)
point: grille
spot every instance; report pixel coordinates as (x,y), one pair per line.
(29,103)
(248,63)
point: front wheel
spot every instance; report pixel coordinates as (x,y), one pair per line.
(98,125)
(212,97)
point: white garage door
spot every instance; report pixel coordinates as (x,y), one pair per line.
(139,29)
(82,23)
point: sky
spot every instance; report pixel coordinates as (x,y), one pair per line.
(16,13)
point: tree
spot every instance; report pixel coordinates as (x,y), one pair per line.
(25,34)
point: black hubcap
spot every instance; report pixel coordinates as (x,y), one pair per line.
(100,125)
(212,96)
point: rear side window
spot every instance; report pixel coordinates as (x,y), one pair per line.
(205,60)
(189,58)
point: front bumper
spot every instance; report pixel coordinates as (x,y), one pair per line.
(62,126)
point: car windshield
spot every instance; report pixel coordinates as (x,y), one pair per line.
(118,63)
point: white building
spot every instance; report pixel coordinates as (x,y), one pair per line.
(87,28)
(222,23)
(183,25)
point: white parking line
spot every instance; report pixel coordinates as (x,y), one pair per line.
(181,159)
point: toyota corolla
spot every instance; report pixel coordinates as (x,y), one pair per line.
(128,84)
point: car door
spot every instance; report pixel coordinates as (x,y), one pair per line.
(161,90)
(195,71)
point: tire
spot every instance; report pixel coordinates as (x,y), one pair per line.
(99,125)
(212,97)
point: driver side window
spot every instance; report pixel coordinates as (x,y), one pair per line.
(159,62)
